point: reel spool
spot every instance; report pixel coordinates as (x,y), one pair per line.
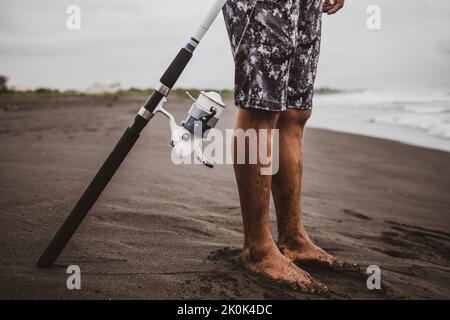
(203,115)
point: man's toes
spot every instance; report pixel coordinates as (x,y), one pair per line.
(308,284)
(341,265)
(314,287)
(321,288)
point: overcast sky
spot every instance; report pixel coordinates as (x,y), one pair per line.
(133,41)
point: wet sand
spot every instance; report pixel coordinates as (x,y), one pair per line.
(162,231)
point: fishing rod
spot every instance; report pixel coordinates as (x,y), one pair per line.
(204,113)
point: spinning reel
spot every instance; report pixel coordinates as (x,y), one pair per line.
(203,115)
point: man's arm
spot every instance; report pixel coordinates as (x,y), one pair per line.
(332,6)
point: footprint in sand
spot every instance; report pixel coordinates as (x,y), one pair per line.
(417,240)
(356,214)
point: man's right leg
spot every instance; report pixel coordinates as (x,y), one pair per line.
(260,253)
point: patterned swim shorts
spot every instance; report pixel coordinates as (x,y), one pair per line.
(276,46)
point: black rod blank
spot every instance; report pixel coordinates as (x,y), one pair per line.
(88,199)
(111,165)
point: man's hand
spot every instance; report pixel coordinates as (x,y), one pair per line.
(332,6)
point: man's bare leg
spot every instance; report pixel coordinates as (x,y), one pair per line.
(293,240)
(260,253)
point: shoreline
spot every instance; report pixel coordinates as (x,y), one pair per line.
(396,133)
(416,144)
(414,118)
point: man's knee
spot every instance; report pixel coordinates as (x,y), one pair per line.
(294,117)
(256,119)
(303,116)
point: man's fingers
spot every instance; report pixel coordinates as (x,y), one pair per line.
(332,6)
(326,8)
(327,5)
(335,8)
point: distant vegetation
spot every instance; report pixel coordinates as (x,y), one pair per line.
(48,92)
(3,84)
(326,90)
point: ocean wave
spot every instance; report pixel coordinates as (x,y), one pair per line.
(427,109)
(435,126)
(409,116)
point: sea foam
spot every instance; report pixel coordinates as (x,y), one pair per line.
(420,118)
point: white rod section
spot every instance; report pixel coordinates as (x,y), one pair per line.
(209,19)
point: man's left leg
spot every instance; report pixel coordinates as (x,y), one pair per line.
(293,240)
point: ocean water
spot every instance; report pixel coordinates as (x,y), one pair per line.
(420,118)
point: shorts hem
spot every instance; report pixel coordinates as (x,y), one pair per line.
(269,105)
(261,104)
(304,106)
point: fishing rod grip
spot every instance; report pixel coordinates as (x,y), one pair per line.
(167,81)
(176,68)
(88,198)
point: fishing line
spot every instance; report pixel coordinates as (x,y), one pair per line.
(245,30)
(236,51)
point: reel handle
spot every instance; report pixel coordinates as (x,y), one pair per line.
(201,157)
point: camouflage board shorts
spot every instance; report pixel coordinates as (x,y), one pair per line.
(276,46)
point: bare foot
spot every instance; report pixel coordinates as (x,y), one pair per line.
(304,251)
(272,264)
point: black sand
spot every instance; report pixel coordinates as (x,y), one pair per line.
(154,235)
